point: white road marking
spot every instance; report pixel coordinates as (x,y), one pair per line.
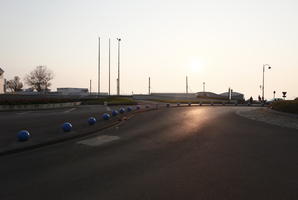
(22,113)
(99,140)
(70,110)
(108,108)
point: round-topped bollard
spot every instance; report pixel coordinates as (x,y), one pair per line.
(147,106)
(23,135)
(106,116)
(138,107)
(122,110)
(115,112)
(189,104)
(128,109)
(91,121)
(67,127)
(178,104)
(168,105)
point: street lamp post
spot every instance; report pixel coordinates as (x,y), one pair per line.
(109,66)
(118,80)
(98,90)
(263,86)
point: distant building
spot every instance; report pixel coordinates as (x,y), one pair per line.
(73,91)
(208,95)
(2,81)
(234,95)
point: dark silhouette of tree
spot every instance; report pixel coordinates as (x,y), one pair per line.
(14,85)
(39,78)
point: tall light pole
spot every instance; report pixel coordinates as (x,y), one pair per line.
(118,80)
(186,85)
(203,86)
(149,87)
(98,78)
(263,85)
(109,66)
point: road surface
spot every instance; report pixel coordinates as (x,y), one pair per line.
(179,153)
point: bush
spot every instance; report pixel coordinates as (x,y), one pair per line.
(290,106)
(34,101)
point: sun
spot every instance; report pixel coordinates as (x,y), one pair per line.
(195,65)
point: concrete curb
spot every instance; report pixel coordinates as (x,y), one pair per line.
(38,106)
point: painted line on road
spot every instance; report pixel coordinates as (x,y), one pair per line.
(22,113)
(70,110)
(108,108)
(99,140)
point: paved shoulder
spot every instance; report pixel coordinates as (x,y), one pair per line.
(270,117)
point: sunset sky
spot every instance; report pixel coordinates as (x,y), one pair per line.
(221,42)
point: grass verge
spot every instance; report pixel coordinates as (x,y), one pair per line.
(110,101)
(289,106)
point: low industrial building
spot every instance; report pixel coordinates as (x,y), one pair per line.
(73,91)
(234,95)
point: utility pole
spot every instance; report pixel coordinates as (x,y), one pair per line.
(263,87)
(118,80)
(203,86)
(186,85)
(229,94)
(149,88)
(98,92)
(90,86)
(109,66)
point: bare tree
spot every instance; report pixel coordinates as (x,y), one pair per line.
(39,78)
(14,85)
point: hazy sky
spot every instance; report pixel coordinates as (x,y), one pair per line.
(221,42)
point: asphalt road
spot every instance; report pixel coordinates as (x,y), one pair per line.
(179,153)
(43,124)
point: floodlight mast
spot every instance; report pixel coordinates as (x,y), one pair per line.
(263,85)
(118,79)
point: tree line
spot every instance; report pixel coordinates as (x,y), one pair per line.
(38,79)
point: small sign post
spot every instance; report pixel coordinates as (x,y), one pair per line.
(284,95)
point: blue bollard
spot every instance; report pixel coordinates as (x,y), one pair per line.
(128,109)
(122,110)
(23,135)
(138,107)
(91,121)
(115,112)
(67,127)
(106,116)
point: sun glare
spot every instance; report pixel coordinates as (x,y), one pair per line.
(195,65)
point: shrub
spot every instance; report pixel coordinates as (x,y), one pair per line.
(290,106)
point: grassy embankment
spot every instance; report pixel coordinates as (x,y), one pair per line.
(85,101)
(207,100)
(289,106)
(110,101)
